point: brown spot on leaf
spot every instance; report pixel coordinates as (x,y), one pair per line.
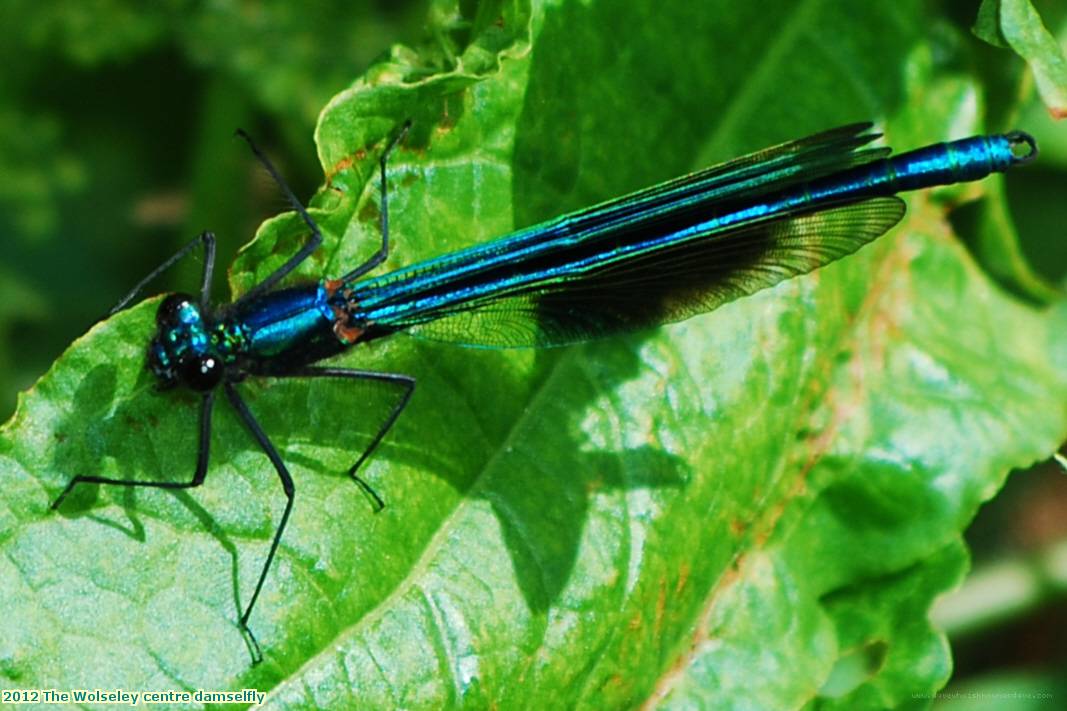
(661,605)
(683,578)
(369,212)
(344,164)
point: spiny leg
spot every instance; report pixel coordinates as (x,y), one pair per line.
(316,235)
(287,486)
(406,382)
(198,476)
(310,246)
(205,238)
(383,251)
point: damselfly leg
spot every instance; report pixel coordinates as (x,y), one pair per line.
(230,375)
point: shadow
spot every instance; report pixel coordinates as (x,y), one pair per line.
(543,529)
(212,528)
(579,142)
(542,497)
(135,530)
(78,437)
(539,472)
(90,433)
(477,423)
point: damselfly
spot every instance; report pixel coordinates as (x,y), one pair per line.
(656,256)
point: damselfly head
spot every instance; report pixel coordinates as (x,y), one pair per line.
(182,352)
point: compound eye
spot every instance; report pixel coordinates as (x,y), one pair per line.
(171,309)
(201,372)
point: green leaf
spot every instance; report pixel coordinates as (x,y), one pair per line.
(1016,24)
(986,224)
(753,508)
(987,24)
